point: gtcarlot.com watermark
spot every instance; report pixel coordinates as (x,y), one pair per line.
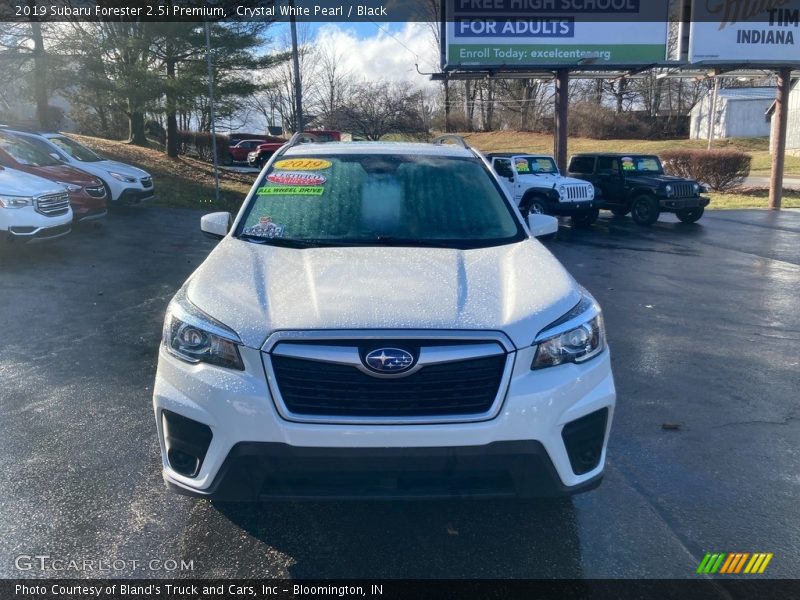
(58,564)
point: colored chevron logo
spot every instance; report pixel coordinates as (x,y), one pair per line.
(734,563)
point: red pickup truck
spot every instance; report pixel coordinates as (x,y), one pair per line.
(239,151)
(261,154)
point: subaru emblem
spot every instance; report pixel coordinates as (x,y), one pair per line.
(389,360)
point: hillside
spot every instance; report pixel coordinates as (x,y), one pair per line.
(189,183)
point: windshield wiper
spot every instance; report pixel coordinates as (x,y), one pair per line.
(294,243)
(390,240)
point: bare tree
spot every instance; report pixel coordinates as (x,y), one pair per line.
(376,109)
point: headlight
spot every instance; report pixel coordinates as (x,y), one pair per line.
(591,192)
(696,188)
(562,191)
(15,201)
(668,190)
(71,187)
(575,338)
(121,177)
(195,337)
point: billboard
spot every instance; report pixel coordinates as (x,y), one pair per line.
(768,33)
(596,34)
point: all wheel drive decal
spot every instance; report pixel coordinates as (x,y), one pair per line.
(297,178)
(303,164)
(290,190)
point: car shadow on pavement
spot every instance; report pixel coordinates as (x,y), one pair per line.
(409,539)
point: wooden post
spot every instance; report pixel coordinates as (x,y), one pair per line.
(779,138)
(712,113)
(561,119)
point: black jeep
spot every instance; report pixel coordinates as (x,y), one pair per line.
(636,184)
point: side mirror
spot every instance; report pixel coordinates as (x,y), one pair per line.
(216,225)
(542,225)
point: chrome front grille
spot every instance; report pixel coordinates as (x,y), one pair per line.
(576,193)
(329,380)
(52,205)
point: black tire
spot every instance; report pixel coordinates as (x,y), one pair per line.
(645,210)
(110,204)
(690,215)
(620,211)
(584,219)
(536,205)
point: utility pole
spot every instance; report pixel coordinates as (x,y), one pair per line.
(561,113)
(779,136)
(298,88)
(211,111)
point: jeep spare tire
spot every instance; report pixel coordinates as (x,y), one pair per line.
(690,215)
(645,210)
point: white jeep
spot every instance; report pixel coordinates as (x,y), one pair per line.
(537,186)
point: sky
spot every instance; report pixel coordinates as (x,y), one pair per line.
(377,51)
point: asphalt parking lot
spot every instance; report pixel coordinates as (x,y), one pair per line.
(703,323)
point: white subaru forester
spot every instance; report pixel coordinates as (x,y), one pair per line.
(379,321)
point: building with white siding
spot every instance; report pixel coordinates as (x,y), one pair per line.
(740,113)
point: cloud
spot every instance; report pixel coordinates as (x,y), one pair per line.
(388,55)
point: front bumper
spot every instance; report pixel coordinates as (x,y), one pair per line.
(257,471)
(135,196)
(252,452)
(571,208)
(673,204)
(25,225)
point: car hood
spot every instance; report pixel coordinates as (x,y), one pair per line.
(65,174)
(257,289)
(543,180)
(17,183)
(656,179)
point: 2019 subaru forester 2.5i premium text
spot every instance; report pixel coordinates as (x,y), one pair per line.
(378,321)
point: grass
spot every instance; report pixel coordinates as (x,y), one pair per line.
(189,183)
(181,182)
(751,198)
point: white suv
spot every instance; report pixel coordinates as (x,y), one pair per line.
(125,184)
(379,321)
(32,208)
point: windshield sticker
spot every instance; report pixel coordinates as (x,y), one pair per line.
(297,178)
(290,190)
(265,228)
(627,164)
(522,165)
(302,164)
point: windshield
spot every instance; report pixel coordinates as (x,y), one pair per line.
(371,199)
(26,154)
(641,164)
(74,149)
(535,164)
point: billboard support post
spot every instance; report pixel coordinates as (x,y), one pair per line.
(561,119)
(779,151)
